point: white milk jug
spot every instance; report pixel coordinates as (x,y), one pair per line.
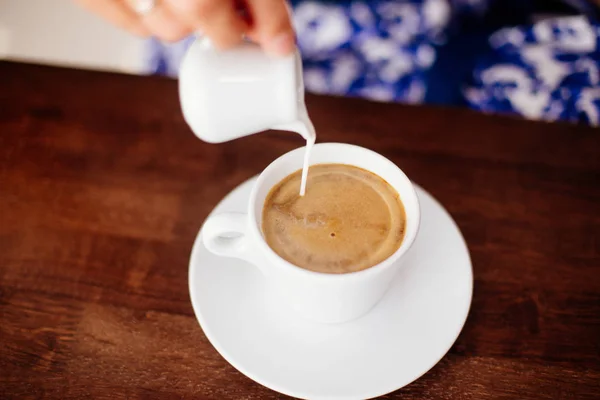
(228,94)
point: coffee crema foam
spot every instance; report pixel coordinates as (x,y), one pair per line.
(348,220)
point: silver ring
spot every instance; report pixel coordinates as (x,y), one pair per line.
(143,7)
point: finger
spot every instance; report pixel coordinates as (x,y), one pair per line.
(218,19)
(272,26)
(118,13)
(164,23)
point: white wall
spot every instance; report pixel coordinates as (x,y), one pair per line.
(57,32)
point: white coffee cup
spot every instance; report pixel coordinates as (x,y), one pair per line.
(317,296)
(228,94)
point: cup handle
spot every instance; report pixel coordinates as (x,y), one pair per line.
(225,235)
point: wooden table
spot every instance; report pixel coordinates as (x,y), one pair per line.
(103,189)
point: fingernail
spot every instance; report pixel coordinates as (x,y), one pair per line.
(280,45)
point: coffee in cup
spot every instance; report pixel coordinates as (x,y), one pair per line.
(321,297)
(349,220)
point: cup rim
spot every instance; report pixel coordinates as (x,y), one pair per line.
(405,246)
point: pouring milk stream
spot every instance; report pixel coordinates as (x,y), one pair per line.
(229,94)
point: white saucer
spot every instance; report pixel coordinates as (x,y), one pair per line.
(403,337)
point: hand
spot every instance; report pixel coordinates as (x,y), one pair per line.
(266,22)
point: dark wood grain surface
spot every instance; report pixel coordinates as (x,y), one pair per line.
(103,189)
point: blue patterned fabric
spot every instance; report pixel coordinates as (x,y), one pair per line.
(547,71)
(165,58)
(379,50)
(387,50)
